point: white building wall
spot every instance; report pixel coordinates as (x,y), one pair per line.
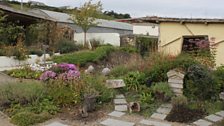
(152,30)
(106,38)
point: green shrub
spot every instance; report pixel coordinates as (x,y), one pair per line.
(200,84)
(21,93)
(63,93)
(66,46)
(37,52)
(133,80)
(119,71)
(25,73)
(219,75)
(29,118)
(83,57)
(164,63)
(146,45)
(179,101)
(162,91)
(95,43)
(97,83)
(209,107)
(146,97)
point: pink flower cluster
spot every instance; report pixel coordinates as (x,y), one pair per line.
(70,72)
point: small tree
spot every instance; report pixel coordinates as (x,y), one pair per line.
(85,17)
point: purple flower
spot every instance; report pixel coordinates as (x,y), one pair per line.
(62,71)
(73,73)
(67,67)
(48,75)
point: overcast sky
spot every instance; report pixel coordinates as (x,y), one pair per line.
(168,8)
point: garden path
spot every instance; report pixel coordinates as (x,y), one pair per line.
(4,79)
(120,118)
(4,120)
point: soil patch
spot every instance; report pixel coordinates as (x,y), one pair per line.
(185,115)
(74,114)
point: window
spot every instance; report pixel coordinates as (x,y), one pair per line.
(195,44)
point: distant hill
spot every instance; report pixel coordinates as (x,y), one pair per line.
(109,15)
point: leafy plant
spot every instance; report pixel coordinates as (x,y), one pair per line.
(25,72)
(162,91)
(146,97)
(44,105)
(133,80)
(66,46)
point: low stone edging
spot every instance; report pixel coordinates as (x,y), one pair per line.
(210,120)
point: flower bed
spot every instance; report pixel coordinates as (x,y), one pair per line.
(62,71)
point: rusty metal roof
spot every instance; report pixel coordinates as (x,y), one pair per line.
(155,19)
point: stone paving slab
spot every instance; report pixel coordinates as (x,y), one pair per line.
(116,114)
(120,96)
(114,122)
(221,113)
(56,124)
(202,122)
(213,118)
(165,111)
(121,108)
(117,83)
(158,116)
(120,102)
(154,123)
(166,105)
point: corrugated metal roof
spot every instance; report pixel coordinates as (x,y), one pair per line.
(32,12)
(63,17)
